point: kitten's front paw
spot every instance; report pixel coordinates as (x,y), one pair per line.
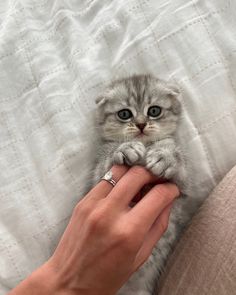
(130,153)
(162,163)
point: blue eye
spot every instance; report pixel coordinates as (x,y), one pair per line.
(154,111)
(125,114)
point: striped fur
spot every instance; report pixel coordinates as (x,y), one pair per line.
(120,143)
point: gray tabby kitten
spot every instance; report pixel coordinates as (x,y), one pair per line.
(137,118)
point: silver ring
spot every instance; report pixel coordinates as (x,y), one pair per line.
(108,178)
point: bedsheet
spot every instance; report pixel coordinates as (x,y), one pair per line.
(55,58)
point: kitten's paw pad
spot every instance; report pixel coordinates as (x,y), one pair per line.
(129,153)
(161,163)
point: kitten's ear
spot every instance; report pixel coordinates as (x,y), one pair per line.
(173,92)
(100,100)
(172,89)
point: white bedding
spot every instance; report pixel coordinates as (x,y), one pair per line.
(55,57)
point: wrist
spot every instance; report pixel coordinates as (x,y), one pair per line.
(41,281)
(45,280)
(57,282)
(48,282)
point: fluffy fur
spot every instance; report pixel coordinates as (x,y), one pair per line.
(144,140)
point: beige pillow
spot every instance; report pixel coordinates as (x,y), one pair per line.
(204,261)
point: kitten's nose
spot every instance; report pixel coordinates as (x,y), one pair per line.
(141,126)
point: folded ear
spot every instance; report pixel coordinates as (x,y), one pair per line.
(101,100)
(168,88)
(172,89)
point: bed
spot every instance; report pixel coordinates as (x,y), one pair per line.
(55,58)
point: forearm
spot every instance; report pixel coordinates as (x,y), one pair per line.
(41,281)
(46,281)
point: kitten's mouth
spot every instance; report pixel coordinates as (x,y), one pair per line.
(141,134)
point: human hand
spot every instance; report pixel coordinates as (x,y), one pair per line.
(106,240)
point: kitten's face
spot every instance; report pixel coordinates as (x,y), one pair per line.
(138,108)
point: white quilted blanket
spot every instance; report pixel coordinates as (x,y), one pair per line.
(55,57)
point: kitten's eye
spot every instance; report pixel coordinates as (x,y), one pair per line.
(125,114)
(154,111)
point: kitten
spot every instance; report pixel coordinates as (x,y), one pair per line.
(137,118)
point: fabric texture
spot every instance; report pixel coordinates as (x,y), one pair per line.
(55,58)
(204,261)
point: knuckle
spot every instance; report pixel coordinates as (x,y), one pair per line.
(161,189)
(96,221)
(119,170)
(124,239)
(164,226)
(139,171)
(175,190)
(163,223)
(120,237)
(164,191)
(80,208)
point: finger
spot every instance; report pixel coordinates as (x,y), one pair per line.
(153,236)
(152,204)
(103,188)
(130,184)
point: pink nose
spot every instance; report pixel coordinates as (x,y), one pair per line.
(141,126)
